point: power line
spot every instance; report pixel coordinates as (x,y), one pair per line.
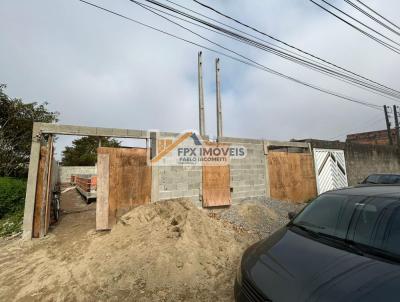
(246,61)
(359,22)
(368,124)
(364,12)
(378,14)
(306,63)
(282,42)
(217,44)
(383,43)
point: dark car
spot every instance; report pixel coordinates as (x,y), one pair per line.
(344,246)
(382,179)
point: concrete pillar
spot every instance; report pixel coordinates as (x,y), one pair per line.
(155,189)
(219,106)
(202,127)
(31,184)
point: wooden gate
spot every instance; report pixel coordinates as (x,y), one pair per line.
(216,184)
(123,182)
(291,176)
(44,189)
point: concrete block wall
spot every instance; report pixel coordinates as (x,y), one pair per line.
(65,172)
(248,175)
(178,181)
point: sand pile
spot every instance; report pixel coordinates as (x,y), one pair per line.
(168,251)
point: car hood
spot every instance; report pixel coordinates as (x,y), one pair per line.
(290,267)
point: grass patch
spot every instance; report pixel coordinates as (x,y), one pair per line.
(12,200)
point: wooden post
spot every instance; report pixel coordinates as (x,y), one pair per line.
(49,191)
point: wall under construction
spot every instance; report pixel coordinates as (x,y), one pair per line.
(248,175)
(246,178)
(176,181)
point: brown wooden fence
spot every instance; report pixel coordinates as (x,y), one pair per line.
(123,182)
(291,176)
(216,182)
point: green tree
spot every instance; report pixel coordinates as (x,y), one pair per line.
(83,151)
(16,122)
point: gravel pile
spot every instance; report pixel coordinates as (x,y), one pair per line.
(259,217)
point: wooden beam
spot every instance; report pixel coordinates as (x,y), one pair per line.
(268,144)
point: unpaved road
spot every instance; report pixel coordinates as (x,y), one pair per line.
(167,251)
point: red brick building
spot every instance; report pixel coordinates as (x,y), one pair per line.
(372,138)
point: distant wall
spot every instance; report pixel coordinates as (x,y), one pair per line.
(372,138)
(362,160)
(65,172)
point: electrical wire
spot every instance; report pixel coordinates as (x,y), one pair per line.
(378,14)
(383,43)
(246,61)
(281,41)
(370,123)
(320,68)
(364,12)
(360,22)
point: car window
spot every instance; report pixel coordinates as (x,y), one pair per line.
(391,241)
(389,179)
(373,179)
(376,223)
(329,214)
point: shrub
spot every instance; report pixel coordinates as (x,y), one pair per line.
(12,199)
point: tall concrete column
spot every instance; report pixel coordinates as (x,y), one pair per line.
(219,106)
(202,127)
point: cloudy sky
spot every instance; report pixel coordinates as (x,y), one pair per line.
(97,69)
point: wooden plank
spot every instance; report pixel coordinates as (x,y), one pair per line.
(216,186)
(49,189)
(39,196)
(216,190)
(103,165)
(129,180)
(291,176)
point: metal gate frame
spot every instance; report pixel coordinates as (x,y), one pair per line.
(330,169)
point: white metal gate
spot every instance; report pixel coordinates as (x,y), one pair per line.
(330,169)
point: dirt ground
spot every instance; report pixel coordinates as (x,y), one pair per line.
(167,251)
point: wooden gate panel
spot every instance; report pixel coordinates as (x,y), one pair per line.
(40,193)
(291,176)
(216,186)
(129,182)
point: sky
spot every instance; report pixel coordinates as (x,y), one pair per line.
(97,69)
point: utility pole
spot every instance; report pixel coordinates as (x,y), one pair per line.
(396,122)
(388,125)
(202,127)
(219,106)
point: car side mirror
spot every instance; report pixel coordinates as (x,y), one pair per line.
(291,215)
